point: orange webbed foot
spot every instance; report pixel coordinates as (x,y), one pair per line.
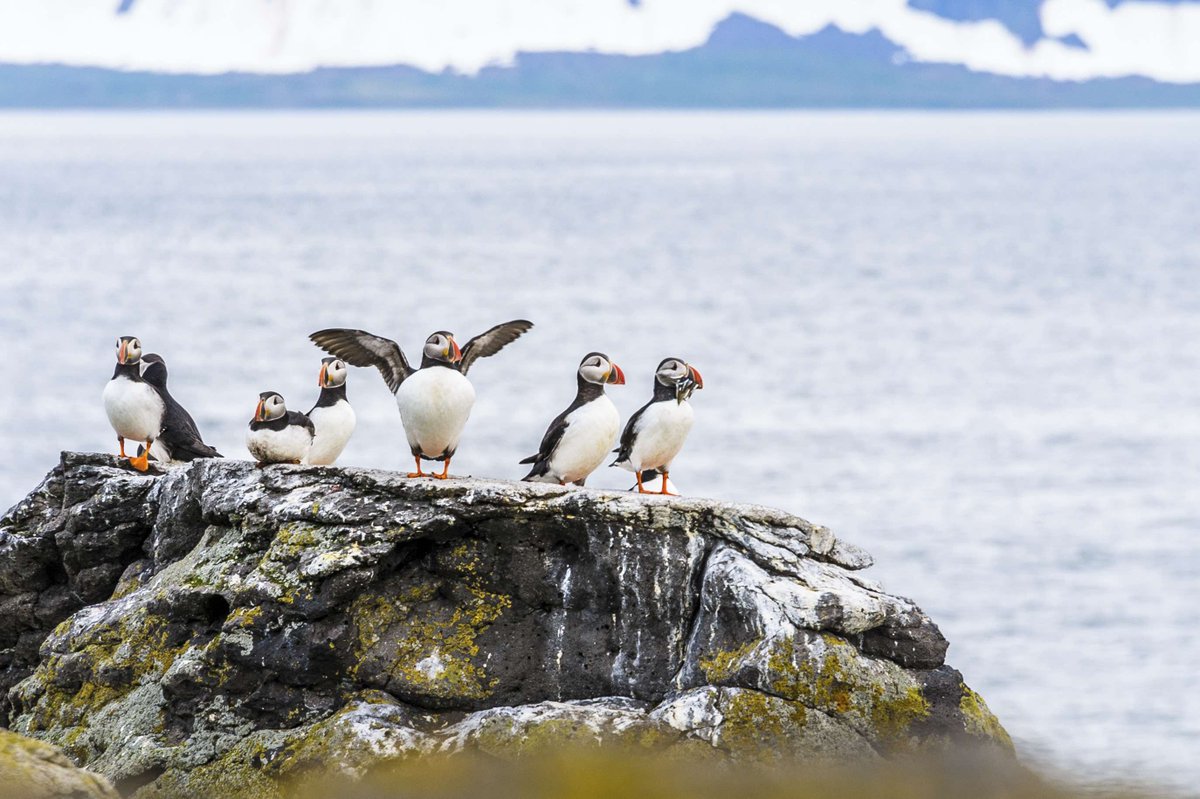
(445,471)
(418,472)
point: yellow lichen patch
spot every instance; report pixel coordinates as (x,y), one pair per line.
(464,558)
(834,684)
(759,725)
(979,720)
(820,686)
(721,666)
(893,716)
(297,536)
(430,646)
(112,661)
(244,772)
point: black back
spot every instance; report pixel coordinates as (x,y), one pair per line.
(179,433)
(288,419)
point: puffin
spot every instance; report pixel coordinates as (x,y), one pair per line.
(579,438)
(656,432)
(435,399)
(276,434)
(332,417)
(179,439)
(134,407)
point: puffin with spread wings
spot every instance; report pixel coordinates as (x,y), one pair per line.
(436,398)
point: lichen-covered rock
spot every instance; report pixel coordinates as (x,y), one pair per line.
(222,626)
(32,769)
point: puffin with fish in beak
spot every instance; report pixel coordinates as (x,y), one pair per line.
(656,432)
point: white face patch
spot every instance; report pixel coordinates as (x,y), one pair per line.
(436,346)
(672,371)
(595,369)
(274,408)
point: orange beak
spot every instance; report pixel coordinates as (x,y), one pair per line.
(696,376)
(455,352)
(258,412)
(324,376)
(616,376)
(121,352)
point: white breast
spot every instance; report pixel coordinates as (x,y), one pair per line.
(434,406)
(661,431)
(134,408)
(289,445)
(591,430)
(334,424)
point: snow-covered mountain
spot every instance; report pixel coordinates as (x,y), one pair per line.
(645,53)
(1057,39)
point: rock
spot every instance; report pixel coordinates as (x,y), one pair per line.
(37,770)
(221,627)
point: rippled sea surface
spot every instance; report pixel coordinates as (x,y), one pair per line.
(968,342)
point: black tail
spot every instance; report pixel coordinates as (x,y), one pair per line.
(539,469)
(530,459)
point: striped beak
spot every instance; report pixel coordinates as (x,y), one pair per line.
(122,352)
(615,376)
(258,409)
(455,353)
(323,378)
(696,376)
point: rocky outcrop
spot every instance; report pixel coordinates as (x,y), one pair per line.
(222,626)
(32,769)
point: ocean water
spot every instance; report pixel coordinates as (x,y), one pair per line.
(967,342)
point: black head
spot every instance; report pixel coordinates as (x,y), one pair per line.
(441,346)
(153,369)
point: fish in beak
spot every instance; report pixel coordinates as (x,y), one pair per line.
(615,376)
(258,409)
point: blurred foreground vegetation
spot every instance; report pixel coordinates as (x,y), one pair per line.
(592,775)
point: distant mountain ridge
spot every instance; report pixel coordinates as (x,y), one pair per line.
(745,63)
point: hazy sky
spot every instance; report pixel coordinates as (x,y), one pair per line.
(1153,39)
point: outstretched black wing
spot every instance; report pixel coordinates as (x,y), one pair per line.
(492,341)
(360,348)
